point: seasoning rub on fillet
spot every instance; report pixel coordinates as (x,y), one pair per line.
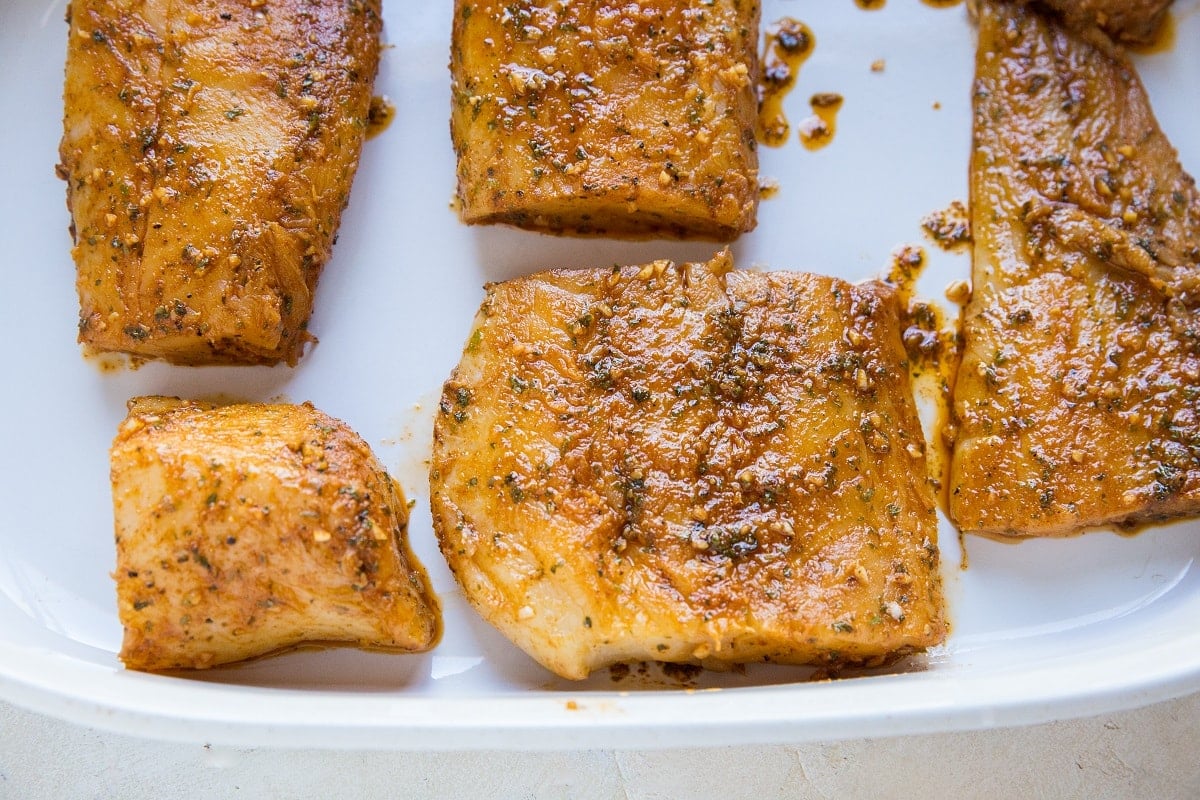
(1130,21)
(246,529)
(208,151)
(629,119)
(1078,398)
(687,464)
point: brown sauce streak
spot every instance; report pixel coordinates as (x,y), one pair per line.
(1164,42)
(941,3)
(618,672)
(933,353)
(818,130)
(789,43)
(949,228)
(684,674)
(659,674)
(380,116)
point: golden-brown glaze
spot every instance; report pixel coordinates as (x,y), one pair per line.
(1131,21)
(208,153)
(246,529)
(618,118)
(1078,398)
(688,464)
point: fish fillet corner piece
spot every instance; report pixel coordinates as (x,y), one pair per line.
(246,529)
(689,464)
(1078,397)
(208,150)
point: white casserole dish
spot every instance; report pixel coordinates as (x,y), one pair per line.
(1041,629)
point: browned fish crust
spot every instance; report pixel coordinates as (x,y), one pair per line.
(1129,21)
(1078,397)
(628,119)
(208,150)
(687,464)
(245,529)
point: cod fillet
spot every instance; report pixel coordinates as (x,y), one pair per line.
(208,150)
(617,118)
(1078,398)
(687,464)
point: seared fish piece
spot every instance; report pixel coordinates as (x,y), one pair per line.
(687,464)
(208,152)
(603,117)
(1131,21)
(1078,398)
(246,529)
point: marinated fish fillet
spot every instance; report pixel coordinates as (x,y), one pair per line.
(208,151)
(1131,21)
(687,464)
(246,529)
(1078,398)
(618,118)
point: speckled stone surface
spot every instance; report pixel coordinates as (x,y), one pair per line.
(1150,752)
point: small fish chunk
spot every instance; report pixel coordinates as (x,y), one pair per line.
(246,529)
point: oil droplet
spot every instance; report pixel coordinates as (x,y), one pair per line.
(789,43)
(870,5)
(817,131)
(941,3)
(1163,42)
(379,116)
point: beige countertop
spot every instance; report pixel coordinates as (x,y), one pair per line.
(1149,752)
